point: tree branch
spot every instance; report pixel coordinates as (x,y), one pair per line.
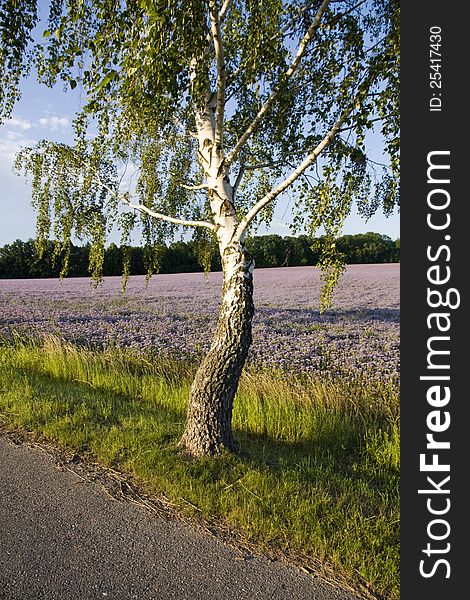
(308,5)
(292,69)
(300,12)
(179,124)
(238,180)
(336,18)
(202,186)
(224,9)
(371,121)
(161,217)
(155,215)
(256,166)
(221,76)
(309,160)
(286,28)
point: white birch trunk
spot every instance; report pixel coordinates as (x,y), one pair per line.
(209,422)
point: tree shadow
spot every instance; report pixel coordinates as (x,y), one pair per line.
(330,456)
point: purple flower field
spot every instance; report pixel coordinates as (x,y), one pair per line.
(176,314)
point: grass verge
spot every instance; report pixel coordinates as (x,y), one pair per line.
(316,479)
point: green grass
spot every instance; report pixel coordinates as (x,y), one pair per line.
(317,476)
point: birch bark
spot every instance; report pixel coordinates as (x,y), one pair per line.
(209,421)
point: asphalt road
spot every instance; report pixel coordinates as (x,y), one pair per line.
(65,538)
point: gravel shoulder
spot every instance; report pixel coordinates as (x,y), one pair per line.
(63,535)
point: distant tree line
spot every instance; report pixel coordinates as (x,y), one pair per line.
(19,259)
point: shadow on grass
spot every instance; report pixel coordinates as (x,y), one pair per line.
(77,412)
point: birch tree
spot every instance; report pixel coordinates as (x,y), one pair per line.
(220,110)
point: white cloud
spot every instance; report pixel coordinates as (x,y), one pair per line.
(11,144)
(54,123)
(13,135)
(18,122)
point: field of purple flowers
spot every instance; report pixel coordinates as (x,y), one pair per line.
(176,314)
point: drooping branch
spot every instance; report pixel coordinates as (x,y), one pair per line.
(221,78)
(181,125)
(301,10)
(307,162)
(232,155)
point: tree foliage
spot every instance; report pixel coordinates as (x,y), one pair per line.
(17,19)
(292,88)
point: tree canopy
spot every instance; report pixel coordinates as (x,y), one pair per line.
(289,90)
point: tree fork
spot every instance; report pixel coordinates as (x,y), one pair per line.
(209,423)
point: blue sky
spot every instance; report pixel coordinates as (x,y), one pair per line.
(45,113)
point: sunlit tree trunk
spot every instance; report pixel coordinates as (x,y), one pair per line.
(209,423)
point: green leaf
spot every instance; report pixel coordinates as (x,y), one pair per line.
(106,79)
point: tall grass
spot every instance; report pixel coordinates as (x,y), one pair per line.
(317,473)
